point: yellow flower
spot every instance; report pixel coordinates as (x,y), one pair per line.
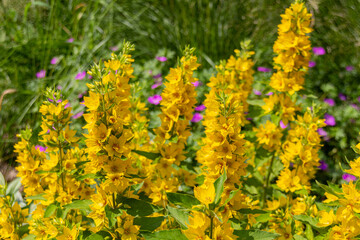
(92,102)
(326,218)
(205,193)
(68,234)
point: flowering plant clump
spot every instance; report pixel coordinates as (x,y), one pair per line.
(250,176)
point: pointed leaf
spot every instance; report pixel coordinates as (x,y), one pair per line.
(219,187)
(149,155)
(181,216)
(174,234)
(184,200)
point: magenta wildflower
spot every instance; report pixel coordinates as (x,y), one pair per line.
(80,75)
(323,165)
(161,59)
(59,87)
(354,106)
(197,117)
(77,115)
(264,69)
(40,148)
(156,99)
(54,60)
(342,97)
(196,83)
(348,177)
(157,76)
(329,101)
(350,68)
(312,64)
(318,50)
(257,92)
(67,105)
(322,132)
(114,48)
(41,74)
(269,93)
(156,84)
(329,120)
(70,40)
(282,125)
(200,108)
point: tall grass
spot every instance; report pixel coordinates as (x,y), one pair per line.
(36,31)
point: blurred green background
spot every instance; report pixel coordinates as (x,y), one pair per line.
(74,34)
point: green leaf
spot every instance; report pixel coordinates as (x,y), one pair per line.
(251,211)
(298,237)
(264,217)
(112,215)
(29,237)
(256,102)
(148,223)
(136,207)
(79,204)
(255,235)
(149,155)
(98,236)
(50,210)
(2,179)
(86,176)
(275,119)
(306,219)
(181,216)
(37,197)
(231,195)
(13,186)
(309,232)
(184,200)
(165,235)
(327,189)
(219,187)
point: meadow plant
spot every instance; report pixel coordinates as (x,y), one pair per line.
(251,177)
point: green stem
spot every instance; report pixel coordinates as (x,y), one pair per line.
(211,226)
(267,180)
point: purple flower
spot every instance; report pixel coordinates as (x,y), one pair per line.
(249,119)
(323,165)
(353,105)
(329,101)
(282,125)
(257,92)
(200,108)
(322,132)
(41,74)
(269,93)
(114,48)
(161,59)
(318,50)
(80,75)
(155,99)
(342,97)
(59,87)
(348,177)
(156,84)
(70,40)
(196,83)
(67,105)
(79,114)
(350,68)
(157,76)
(329,120)
(312,64)
(197,117)
(264,69)
(54,60)
(40,148)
